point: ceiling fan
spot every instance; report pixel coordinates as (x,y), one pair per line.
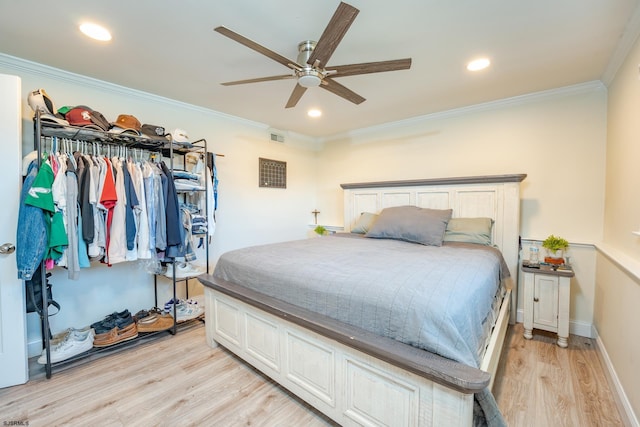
(311,69)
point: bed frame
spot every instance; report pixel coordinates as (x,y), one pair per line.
(353,376)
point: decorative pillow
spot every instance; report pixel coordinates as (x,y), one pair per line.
(364,223)
(411,224)
(469,230)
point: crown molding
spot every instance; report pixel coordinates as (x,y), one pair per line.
(561,92)
(627,40)
(20,65)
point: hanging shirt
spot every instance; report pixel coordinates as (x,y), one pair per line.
(40,195)
(108,199)
(118,233)
(71,213)
(143,217)
(131,207)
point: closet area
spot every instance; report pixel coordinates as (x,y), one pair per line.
(100,197)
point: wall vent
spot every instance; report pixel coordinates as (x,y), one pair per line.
(272,173)
(276,135)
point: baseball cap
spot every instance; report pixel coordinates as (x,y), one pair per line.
(153,131)
(50,118)
(39,100)
(181,137)
(80,116)
(126,123)
(64,110)
(86,117)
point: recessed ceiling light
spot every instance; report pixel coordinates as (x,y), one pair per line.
(478,64)
(95,31)
(314,113)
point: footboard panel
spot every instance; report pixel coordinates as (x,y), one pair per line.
(349,386)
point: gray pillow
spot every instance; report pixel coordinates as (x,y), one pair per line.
(411,224)
(364,223)
(469,230)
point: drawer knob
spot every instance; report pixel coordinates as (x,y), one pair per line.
(535,299)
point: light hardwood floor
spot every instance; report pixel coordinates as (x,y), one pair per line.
(180,381)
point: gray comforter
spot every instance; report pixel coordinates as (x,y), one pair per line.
(434,298)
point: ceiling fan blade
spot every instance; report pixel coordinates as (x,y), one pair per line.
(336,88)
(259,79)
(342,19)
(370,67)
(255,46)
(297,93)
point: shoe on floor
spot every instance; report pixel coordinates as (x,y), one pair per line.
(61,336)
(157,323)
(183,270)
(186,312)
(121,320)
(116,335)
(75,343)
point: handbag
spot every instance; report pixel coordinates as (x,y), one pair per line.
(34,288)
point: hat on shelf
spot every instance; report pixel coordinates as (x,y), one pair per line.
(153,131)
(180,137)
(86,117)
(50,118)
(64,110)
(126,123)
(39,101)
(98,119)
(81,116)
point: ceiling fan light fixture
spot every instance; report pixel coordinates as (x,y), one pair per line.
(314,112)
(309,80)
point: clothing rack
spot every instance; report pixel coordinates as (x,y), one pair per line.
(54,138)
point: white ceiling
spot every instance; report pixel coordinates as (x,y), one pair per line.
(170,49)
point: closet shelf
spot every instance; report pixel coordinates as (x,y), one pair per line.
(93,135)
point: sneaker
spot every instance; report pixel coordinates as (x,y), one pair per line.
(183,270)
(78,334)
(186,312)
(74,344)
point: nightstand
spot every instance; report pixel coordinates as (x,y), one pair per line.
(546,301)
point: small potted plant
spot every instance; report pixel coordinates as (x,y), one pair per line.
(320,230)
(555,247)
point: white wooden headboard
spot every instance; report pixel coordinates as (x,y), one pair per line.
(495,196)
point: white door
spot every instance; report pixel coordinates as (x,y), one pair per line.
(13,332)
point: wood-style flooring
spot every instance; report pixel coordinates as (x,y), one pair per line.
(180,381)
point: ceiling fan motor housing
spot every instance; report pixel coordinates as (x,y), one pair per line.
(307,76)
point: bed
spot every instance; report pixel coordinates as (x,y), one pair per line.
(342,352)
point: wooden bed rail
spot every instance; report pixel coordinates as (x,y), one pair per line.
(446,372)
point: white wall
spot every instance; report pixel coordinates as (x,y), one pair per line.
(618,264)
(246,215)
(558,138)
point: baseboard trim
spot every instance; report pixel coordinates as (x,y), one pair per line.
(582,329)
(34,348)
(626,411)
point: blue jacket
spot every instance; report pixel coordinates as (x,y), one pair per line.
(31,236)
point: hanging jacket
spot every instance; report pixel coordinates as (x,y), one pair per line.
(175,231)
(31,238)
